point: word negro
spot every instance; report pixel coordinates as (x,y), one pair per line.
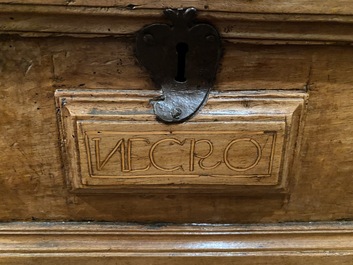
(138,154)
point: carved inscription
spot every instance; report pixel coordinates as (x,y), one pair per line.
(117,154)
(111,142)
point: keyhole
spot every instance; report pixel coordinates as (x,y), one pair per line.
(181,48)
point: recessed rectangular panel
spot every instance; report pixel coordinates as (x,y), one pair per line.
(112,142)
(184,154)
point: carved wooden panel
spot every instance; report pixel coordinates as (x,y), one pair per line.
(112,142)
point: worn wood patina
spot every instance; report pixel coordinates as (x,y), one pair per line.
(287,67)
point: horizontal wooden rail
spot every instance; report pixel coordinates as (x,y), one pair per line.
(55,243)
(121,21)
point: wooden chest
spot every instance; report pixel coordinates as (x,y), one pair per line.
(261,174)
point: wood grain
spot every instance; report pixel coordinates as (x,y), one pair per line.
(302,28)
(32,176)
(266,6)
(33,66)
(112,141)
(82,243)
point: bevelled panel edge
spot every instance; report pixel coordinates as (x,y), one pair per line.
(239,143)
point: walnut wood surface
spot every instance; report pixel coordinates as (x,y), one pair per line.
(266,6)
(96,243)
(51,20)
(238,143)
(34,64)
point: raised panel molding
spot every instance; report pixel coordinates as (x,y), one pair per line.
(238,141)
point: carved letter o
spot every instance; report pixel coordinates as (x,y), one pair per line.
(258,149)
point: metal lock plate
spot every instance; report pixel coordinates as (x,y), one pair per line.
(182,59)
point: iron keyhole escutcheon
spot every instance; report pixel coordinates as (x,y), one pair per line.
(182,59)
